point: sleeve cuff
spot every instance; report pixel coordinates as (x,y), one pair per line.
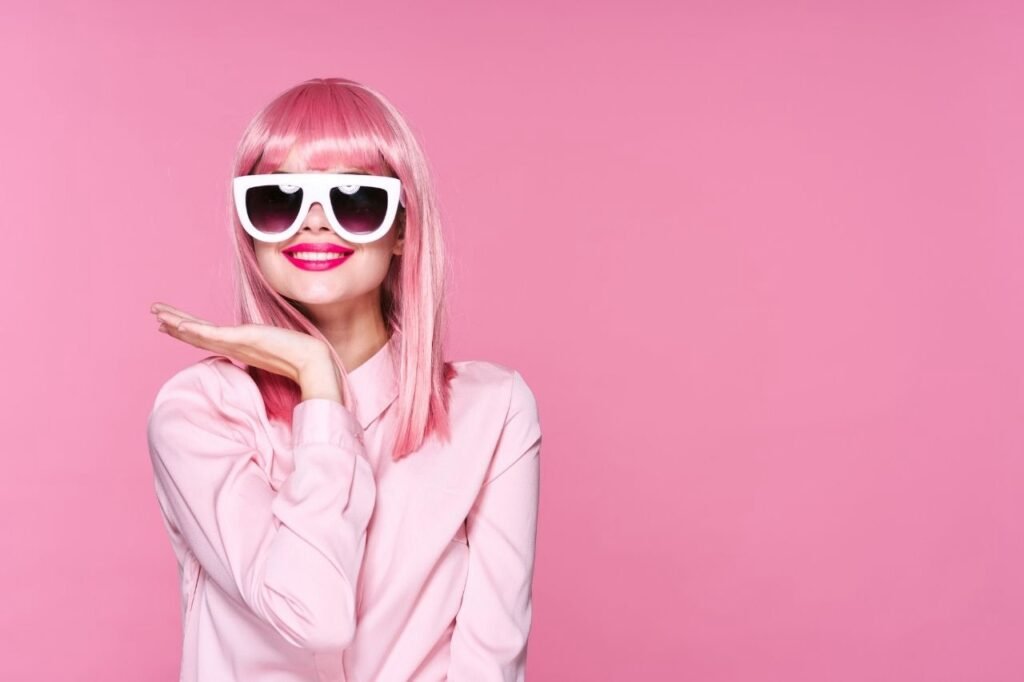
(323,420)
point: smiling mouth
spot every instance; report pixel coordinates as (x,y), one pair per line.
(316,255)
(316,260)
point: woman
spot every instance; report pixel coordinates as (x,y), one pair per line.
(343,504)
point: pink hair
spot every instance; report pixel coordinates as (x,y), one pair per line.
(336,121)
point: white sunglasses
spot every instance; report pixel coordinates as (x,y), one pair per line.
(360,208)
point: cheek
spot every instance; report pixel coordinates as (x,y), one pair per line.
(269,262)
(377,261)
(277,271)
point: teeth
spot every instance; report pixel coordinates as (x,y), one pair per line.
(315,255)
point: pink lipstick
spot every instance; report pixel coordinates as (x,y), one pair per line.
(336,255)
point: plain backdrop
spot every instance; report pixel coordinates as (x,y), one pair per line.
(759,261)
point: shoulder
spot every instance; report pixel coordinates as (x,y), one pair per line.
(211,390)
(207,414)
(501,386)
(213,377)
(206,418)
(499,396)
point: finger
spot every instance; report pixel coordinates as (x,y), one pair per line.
(224,337)
(169,318)
(174,319)
(189,316)
(199,328)
(198,334)
(163,309)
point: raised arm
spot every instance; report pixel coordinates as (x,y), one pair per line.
(492,626)
(292,556)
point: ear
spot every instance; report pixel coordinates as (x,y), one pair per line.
(400,242)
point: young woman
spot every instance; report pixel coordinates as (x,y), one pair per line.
(343,504)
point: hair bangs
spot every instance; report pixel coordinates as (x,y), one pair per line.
(327,129)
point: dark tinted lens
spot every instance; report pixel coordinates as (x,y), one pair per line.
(271,208)
(360,211)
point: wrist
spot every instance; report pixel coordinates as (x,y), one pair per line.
(317,379)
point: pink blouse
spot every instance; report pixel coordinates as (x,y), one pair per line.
(308,553)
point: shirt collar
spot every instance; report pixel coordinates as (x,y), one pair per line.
(375,382)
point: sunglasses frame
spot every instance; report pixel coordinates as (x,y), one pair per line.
(316,188)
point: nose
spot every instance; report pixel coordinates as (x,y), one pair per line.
(316,218)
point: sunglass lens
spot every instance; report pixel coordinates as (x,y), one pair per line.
(360,210)
(273,208)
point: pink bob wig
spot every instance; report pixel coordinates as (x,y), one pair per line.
(335,122)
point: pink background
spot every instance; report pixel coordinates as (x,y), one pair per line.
(760,262)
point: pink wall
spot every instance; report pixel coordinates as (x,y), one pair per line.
(768,254)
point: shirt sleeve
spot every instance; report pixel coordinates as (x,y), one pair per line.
(493,623)
(292,556)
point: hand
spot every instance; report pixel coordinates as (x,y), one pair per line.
(275,349)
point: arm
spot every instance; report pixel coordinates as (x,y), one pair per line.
(291,556)
(493,623)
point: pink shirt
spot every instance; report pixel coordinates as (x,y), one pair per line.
(310,554)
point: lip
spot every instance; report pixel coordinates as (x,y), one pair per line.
(320,247)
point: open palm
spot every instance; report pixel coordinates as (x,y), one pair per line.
(275,349)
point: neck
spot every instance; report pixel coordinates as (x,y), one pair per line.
(355,328)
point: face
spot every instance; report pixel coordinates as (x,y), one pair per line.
(359,275)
